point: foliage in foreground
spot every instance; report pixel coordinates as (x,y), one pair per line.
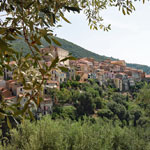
(48,134)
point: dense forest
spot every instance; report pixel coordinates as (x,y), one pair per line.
(76,51)
(88,116)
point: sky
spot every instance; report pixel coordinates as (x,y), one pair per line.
(129,38)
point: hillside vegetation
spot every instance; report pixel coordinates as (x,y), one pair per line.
(88,116)
(76,51)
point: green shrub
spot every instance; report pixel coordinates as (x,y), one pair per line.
(48,134)
(105,113)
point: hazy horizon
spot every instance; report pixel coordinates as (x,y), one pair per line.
(127,40)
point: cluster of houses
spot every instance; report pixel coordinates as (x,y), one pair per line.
(122,76)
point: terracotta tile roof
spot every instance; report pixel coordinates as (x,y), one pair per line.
(9,81)
(5,92)
(141,71)
(9,98)
(122,73)
(12,63)
(147,76)
(50,81)
(2,80)
(46,98)
(79,72)
(1,88)
(13,82)
(133,69)
(119,62)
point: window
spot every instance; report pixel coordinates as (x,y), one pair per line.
(45,91)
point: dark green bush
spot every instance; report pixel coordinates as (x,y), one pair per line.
(105,113)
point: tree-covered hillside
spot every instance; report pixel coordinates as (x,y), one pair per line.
(87,116)
(76,51)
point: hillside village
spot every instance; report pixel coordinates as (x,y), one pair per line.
(122,76)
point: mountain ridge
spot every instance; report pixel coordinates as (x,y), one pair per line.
(98,57)
(76,51)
